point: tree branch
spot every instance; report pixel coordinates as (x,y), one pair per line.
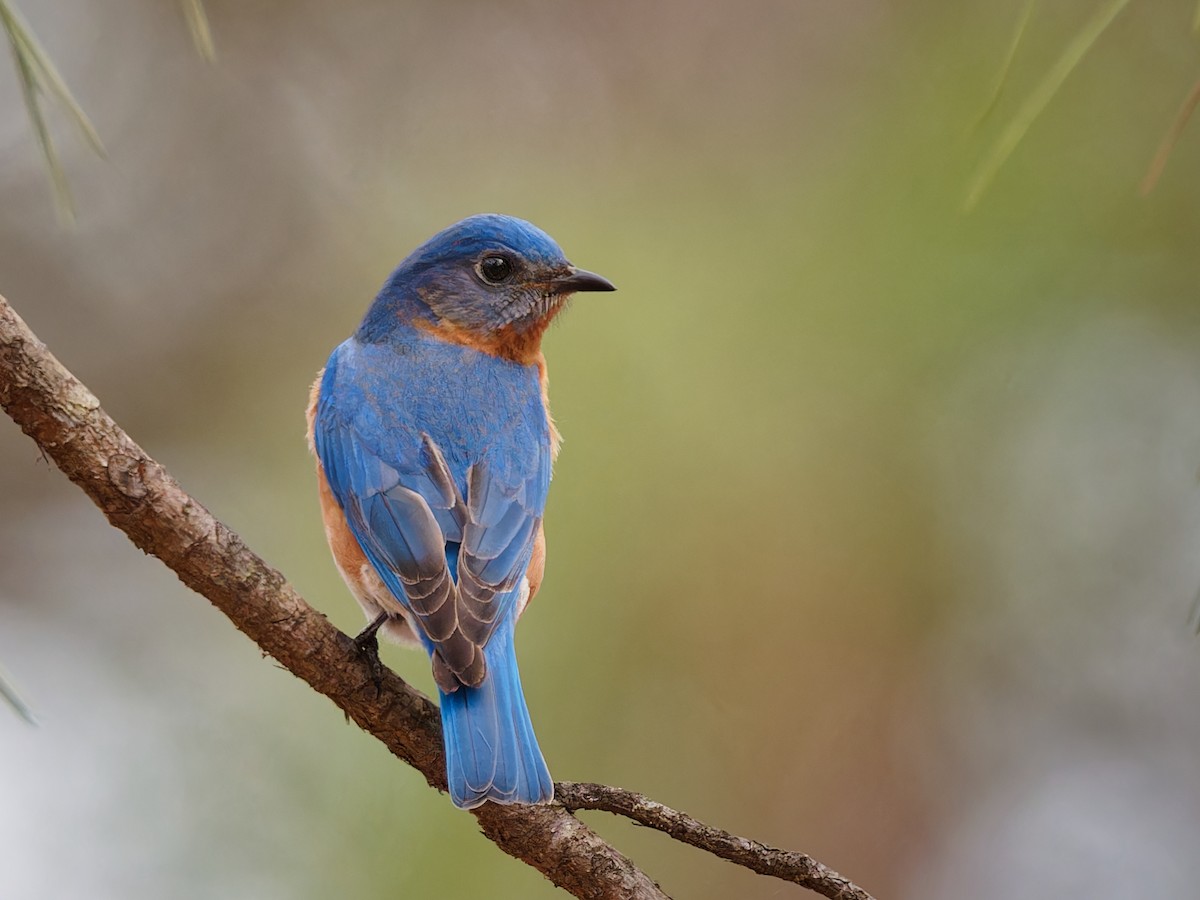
(138,496)
(788,865)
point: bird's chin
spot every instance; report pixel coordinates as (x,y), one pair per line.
(547,307)
(535,313)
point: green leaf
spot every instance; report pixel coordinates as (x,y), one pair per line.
(10,695)
(1006,66)
(197,20)
(39,77)
(1159,163)
(1037,101)
(58,179)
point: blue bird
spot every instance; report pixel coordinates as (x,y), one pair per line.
(434,444)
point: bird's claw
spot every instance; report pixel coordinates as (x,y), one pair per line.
(367,643)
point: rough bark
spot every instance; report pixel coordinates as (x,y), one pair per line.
(789,865)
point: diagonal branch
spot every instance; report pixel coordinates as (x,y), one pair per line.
(788,865)
(138,496)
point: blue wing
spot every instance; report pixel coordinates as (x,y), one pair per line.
(445,506)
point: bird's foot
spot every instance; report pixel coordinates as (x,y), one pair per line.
(367,642)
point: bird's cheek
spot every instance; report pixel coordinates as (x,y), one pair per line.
(516,307)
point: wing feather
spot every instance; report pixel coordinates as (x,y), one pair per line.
(404,505)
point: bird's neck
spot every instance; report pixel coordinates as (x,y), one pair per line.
(518,342)
(522,346)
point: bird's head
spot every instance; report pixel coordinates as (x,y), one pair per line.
(491,282)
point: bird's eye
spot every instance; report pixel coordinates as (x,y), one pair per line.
(495,269)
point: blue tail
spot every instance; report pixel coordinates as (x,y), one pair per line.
(491,751)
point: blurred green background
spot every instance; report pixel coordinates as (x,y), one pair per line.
(875,531)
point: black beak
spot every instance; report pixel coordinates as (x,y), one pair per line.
(581,280)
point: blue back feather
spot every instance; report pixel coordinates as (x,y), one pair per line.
(377,403)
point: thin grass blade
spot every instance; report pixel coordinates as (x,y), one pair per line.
(1039,99)
(13,699)
(46,75)
(1006,67)
(41,131)
(1163,153)
(197,20)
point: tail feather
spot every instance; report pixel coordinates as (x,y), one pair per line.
(491,750)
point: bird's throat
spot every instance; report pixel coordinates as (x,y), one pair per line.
(519,342)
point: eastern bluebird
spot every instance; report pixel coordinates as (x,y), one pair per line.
(434,445)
